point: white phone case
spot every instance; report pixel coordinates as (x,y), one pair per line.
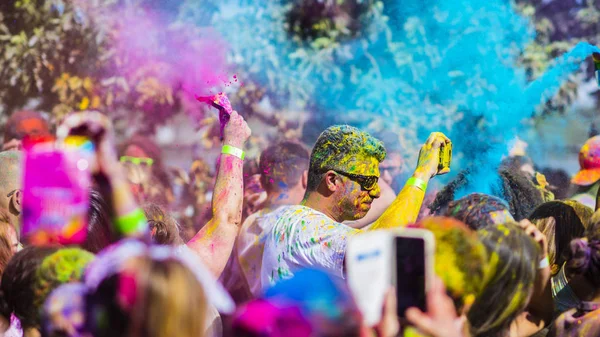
(371,264)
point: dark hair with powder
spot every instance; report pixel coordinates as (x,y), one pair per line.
(99,232)
(512,186)
(336,146)
(281,165)
(475,210)
(513,257)
(16,289)
(519,192)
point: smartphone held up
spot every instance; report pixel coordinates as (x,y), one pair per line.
(56,184)
(378,260)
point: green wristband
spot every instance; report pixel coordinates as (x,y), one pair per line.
(418,183)
(134,222)
(234,151)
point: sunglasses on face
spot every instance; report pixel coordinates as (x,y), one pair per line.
(137,160)
(366,182)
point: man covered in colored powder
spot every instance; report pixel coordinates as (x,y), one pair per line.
(587,180)
(342,183)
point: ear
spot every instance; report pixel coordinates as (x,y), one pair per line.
(304,179)
(16,201)
(330,180)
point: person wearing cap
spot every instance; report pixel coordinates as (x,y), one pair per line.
(587,180)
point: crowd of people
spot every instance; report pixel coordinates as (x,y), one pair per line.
(258,248)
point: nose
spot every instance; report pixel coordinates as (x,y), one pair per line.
(376,192)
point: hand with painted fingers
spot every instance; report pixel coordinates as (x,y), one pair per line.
(441,319)
(236,131)
(98,128)
(429,156)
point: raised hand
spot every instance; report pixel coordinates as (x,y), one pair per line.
(98,128)
(236,131)
(427,165)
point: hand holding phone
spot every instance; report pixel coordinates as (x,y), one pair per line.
(434,156)
(379,259)
(98,128)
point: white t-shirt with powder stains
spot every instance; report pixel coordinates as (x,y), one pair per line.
(302,237)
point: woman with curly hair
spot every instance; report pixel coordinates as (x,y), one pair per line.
(516,189)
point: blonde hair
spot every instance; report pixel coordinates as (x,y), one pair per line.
(170,300)
(548,227)
(6,248)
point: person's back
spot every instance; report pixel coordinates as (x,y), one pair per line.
(283,168)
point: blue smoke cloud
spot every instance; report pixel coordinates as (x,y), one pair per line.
(419,66)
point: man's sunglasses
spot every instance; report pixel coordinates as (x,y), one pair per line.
(137,160)
(366,182)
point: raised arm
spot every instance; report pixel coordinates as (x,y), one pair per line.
(405,208)
(128,219)
(214,242)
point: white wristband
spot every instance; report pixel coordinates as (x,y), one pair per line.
(544,263)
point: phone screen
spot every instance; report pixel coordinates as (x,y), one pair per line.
(410,274)
(56,184)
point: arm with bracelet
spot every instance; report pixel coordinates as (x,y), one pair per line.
(214,242)
(405,208)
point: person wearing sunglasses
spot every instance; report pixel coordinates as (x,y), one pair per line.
(342,183)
